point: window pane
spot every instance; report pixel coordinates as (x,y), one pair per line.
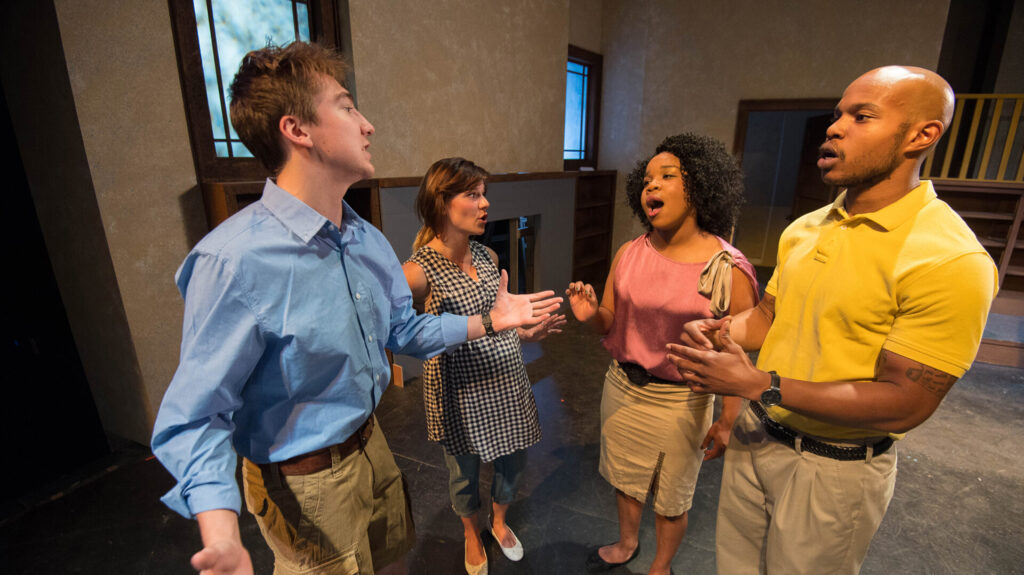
(238,26)
(209,73)
(575,111)
(303,11)
(240,151)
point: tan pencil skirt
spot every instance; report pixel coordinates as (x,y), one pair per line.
(650,440)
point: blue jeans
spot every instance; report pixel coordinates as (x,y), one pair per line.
(464,480)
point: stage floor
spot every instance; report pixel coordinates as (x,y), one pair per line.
(957,507)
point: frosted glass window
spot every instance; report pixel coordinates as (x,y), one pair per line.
(576,80)
(227,30)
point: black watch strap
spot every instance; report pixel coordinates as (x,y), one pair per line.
(488,327)
(773,395)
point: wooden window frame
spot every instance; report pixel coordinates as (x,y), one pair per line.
(328,26)
(594,63)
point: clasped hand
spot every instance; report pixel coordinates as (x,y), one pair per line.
(727,371)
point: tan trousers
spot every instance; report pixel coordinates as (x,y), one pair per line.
(782,512)
(345,520)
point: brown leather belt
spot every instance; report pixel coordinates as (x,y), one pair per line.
(320,459)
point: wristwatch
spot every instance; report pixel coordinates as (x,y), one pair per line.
(486,317)
(773,395)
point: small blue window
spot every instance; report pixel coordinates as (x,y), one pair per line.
(577,78)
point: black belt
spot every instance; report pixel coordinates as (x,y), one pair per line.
(788,436)
(639,376)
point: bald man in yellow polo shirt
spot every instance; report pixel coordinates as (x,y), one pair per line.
(875,309)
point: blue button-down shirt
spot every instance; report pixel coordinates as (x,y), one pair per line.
(282,353)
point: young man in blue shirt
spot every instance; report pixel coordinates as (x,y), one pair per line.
(289,306)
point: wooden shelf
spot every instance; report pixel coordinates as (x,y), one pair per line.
(593,204)
(592,227)
(1015,271)
(992,243)
(997,224)
(1003,217)
(591,234)
(584,262)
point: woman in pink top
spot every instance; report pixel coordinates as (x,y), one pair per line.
(654,431)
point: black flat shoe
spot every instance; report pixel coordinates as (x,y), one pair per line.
(595,564)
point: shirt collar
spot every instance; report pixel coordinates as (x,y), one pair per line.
(296,215)
(892,216)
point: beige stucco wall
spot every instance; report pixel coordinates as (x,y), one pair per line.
(483,80)
(585,24)
(129,105)
(683,66)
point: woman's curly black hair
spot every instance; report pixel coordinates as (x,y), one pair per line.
(711,178)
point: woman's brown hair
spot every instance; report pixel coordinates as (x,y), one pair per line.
(444,180)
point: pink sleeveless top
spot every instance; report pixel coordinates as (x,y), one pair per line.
(654,297)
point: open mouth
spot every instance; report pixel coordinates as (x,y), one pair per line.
(483,218)
(654,206)
(827,156)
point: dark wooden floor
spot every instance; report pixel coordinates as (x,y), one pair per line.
(957,508)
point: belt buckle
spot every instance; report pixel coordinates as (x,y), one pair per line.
(364,432)
(636,374)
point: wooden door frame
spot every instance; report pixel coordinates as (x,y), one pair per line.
(745,107)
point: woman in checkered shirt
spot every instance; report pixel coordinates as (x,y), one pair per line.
(479,404)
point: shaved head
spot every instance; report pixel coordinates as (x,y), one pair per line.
(921,93)
(883,128)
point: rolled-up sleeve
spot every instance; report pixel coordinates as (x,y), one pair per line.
(221,345)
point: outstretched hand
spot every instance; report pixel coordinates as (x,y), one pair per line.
(582,300)
(543,329)
(518,310)
(725,372)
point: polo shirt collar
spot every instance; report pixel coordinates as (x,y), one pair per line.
(296,215)
(892,216)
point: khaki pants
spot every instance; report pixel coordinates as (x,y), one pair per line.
(782,512)
(344,520)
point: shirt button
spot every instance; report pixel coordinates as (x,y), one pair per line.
(371,338)
(359,296)
(842,227)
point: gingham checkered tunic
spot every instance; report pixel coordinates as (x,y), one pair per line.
(478,398)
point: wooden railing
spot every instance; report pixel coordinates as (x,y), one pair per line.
(988,146)
(978,170)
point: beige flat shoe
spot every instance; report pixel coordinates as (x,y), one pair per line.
(515,552)
(480,569)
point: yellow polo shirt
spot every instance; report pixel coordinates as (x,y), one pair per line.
(910,278)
